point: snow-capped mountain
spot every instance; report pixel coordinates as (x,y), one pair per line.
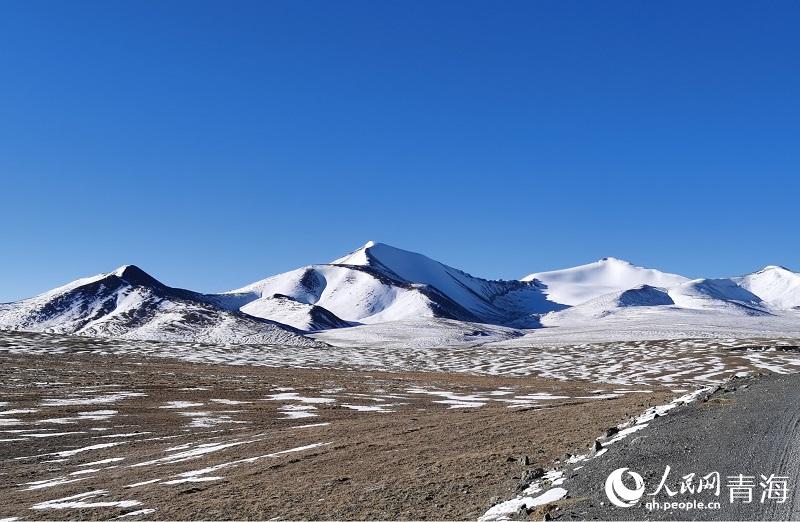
(777,286)
(379,283)
(634,302)
(128,303)
(723,295)
(573,286)
(381,292)
(360,296)
(599,307)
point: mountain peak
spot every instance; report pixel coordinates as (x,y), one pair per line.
(777,285)
(363,255)
(778,268)
(134,275)
(120,272)
(615,260)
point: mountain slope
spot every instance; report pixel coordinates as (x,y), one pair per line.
(379,283)
(573,286)
(640,298)
(359,296)
(722,295)
(303,316)
(129,303)
(777,286)
(495,301)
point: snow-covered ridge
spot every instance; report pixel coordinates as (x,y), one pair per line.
(721,294)
(378,285)
(573,286)
(777,286)
(128,303)
(613,303)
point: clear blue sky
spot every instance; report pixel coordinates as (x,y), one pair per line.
(216,143)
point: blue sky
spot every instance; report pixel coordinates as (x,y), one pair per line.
(216,143)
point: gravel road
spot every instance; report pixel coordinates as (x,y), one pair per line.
(748,427)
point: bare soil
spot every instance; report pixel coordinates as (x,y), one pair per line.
(417,459)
